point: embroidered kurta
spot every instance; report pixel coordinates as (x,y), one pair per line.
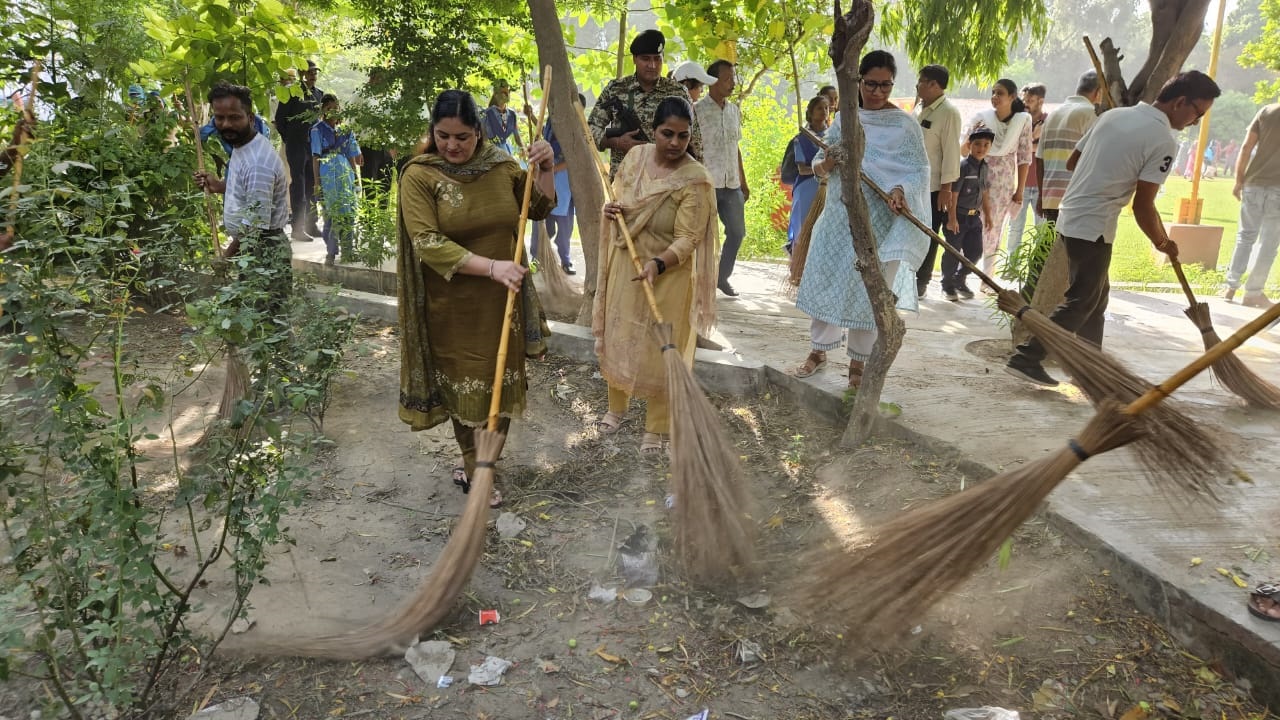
(831,289)
(449,322)
(677,213)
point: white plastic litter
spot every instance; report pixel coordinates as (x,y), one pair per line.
(489,672)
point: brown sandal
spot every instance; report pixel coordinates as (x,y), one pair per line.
(812,364)
(609,423)
(855,373)
(653,445)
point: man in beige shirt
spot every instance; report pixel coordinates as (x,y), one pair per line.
(721,124)
(1258,190)
(941,123)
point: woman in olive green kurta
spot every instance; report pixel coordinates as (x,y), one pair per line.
(458,215)
(669,204)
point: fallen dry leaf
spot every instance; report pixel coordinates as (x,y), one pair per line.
(606,656)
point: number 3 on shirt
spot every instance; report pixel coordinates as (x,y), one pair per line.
(1167,162)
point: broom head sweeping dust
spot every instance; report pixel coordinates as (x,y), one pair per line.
(1229,369)
(558,294)
(800,250)
(714,529)
(435,597)
(236,387)
(1188,467)
(880,589)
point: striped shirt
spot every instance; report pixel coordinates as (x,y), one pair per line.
(1058,139)
(257,189)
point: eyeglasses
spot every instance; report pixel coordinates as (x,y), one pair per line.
(1199,113)
(873,86)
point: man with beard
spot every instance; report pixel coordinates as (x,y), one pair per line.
(254,212)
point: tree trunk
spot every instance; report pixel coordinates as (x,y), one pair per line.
(1176,27)
(847,42)
(584,176)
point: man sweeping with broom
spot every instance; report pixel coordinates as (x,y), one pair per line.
(1128,153)
(256,207)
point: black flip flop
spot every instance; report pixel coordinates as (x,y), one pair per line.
(460,479)
(1270,591)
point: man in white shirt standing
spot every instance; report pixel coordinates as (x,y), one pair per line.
(721,125)
(1127,154)
(941,124)
(255,209)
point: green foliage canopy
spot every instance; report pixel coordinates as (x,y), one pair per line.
(1265,51)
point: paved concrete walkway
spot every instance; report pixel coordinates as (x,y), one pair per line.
(949,382)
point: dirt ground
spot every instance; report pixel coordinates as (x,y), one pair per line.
(1050,635)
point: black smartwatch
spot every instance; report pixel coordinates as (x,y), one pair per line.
(662,267)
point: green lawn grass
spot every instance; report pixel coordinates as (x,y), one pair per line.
(1133,264)
(1133,261)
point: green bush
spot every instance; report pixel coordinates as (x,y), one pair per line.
(767,127)
(94,608)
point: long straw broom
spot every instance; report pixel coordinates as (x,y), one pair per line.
(800,250)
(435,597)
(236,386)
(877,590)
(558,294)
(1229,369)
(1187,466)
(712,517)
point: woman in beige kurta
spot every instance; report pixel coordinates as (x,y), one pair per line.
(669,204)
(458,214)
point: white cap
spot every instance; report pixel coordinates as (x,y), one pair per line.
(690,70)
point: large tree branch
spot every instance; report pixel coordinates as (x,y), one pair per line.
(1111,58)
(848,40)
(1176,27)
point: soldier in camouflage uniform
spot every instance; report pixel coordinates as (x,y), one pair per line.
(623,114)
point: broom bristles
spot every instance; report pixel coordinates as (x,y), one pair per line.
(1177,452)
(435,597)
(800,251)
(1231,370)
(880,589)
(235,388)
(558,294)
(714,529)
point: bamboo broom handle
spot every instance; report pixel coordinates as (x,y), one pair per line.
(1212,355)
(916,221)
(1102,76)
(495,403)
(622,223)
(24,134)
(1182,279)
(208,203)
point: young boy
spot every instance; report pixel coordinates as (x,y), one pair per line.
(970,211)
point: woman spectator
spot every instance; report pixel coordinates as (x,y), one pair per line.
(832,292)
(459,211)
(1007,162)
(668,202)
(804,149)
(501,125)
(335,159)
